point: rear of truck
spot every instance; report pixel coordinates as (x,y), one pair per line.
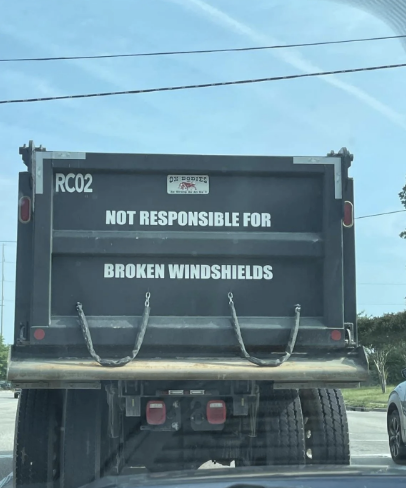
(196,300)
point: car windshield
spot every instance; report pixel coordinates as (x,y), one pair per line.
(202,241)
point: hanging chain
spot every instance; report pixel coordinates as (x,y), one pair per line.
(138,343)
(264,362)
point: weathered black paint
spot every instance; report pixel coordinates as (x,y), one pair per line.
(24,268)
(333,254)
(187,243)
(305,247)
(295,200)
(263,334)
(82,280)
(350,302)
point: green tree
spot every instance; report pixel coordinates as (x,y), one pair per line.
(384,339)
(401,352)
(3,358)
(402,196)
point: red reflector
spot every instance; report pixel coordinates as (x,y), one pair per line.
(336,335)
(39,334)
(216,412)
(24,209)
(348,220)
(156,412)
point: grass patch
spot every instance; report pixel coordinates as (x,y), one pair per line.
(367,396)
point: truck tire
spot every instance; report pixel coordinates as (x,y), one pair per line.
(284,428)
(326,426)
(280,431)
(37,438)
(81,438)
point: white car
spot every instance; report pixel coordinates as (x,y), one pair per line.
(396,422)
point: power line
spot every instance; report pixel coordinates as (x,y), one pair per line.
(202,51)
(204,85)
(383,284)
(379,214)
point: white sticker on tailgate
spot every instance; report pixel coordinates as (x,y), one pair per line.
(187,184)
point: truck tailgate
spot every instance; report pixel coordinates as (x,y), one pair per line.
(109,229)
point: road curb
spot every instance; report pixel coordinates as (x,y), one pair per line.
(365,409)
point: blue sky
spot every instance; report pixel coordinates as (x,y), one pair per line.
(365,112)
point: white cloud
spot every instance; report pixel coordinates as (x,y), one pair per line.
(290,57)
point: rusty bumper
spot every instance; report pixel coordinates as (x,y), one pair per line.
(332,369)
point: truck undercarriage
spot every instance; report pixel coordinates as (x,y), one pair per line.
(163,425)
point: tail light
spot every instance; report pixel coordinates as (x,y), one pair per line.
(24,209)
(335,335)
(39,334)
(156,412)
(216,412)
(348,220)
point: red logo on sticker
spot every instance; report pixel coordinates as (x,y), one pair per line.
(187,186)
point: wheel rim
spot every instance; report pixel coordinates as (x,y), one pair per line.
(394,435)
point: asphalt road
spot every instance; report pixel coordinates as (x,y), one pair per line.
(8,408)
(368,437)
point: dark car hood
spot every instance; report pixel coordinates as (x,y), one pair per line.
(266,477)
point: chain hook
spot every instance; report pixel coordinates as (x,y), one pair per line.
(147,296)
(230,297)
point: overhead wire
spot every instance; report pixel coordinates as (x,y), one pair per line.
(383,284)
(380,214)
(202,85)
(201,51)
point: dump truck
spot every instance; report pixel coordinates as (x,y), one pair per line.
(173,309)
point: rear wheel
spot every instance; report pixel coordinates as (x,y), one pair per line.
(81,439)
(280,433)
(37,438)
(326,426)
(284,428)
(396,445)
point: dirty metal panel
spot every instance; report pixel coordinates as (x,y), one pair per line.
(301,368)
